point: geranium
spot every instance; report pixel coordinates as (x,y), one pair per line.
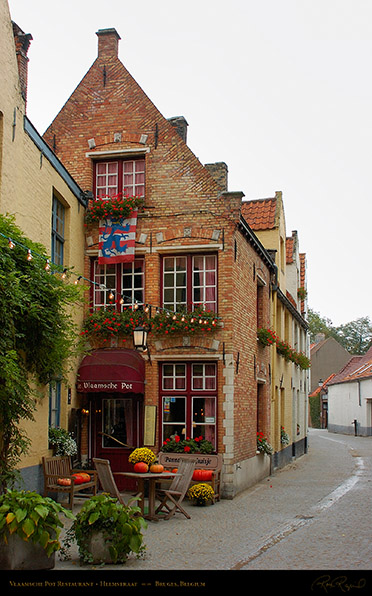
(115,207)
(196,445)
(105,324)
(263,446)
(266,337)
(284,437)
(197,321)
(201,493)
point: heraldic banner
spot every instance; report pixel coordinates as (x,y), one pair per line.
(117,239)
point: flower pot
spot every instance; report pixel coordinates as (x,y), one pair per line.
(99,549)
(19,554)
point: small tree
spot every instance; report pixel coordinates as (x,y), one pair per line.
(37,336)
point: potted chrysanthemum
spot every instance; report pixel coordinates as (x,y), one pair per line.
(201,494)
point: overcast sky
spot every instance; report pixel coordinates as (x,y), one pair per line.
(280,90)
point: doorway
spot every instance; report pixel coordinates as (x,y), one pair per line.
(117,422)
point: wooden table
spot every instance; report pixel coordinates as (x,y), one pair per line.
(151,478)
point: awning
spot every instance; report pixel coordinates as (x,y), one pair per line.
(111,371)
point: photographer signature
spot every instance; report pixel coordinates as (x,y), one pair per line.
(326,583)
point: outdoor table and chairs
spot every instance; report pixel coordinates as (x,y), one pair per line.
(150,479)
(170,497)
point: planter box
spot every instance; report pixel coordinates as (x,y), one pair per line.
(19,554)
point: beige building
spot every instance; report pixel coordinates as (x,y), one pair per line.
(48,206)
(289,381)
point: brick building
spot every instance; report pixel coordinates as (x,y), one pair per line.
(195,258)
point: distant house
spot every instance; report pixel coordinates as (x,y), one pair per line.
(327,356)
(350,397)
(318,404)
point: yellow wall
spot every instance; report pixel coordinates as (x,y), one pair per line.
(27,183)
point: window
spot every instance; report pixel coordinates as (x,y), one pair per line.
(189,282)
(188,400)
(121,176)
(121,280)
(58,231)
(55,404)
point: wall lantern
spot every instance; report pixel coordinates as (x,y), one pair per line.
(140,338)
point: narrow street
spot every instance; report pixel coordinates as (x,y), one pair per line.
(313,514)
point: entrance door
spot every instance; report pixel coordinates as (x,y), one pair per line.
(116,431)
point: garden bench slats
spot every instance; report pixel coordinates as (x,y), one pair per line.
(59,466)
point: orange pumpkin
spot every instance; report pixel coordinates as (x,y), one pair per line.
(85,476)
(141,467)
(64,481)
(78,479)
(156,468)
(202,475)
(175,470)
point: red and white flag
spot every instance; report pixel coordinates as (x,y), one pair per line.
(117,239)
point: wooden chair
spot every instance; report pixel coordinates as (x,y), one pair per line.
(59,466)
(107,480)
(172,497)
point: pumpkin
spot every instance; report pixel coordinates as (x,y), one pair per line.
(174,471)
(78,478)
(64,481)
(202,475)
(85,476)
(156,468)
(141,467)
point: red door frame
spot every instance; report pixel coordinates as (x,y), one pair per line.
(118,456)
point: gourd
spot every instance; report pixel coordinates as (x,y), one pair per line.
(141,467)
(64,481)
(156,468)
(203,475)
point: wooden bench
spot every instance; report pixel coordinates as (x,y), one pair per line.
(203,462)
(59,466)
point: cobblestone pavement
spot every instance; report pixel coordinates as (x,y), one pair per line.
(313,514)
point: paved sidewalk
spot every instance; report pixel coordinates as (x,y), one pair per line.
(226,535)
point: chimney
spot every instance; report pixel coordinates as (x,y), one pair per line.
(108,43)
(180,124)
(22,43)
(219,172)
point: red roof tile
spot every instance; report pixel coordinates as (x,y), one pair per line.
(260,214)
(289,245)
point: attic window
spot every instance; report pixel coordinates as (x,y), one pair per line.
(125,176)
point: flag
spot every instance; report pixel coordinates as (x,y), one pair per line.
(117,239)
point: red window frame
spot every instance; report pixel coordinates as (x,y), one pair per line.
(190,394)
(189,303)
(135,294)
(120,175)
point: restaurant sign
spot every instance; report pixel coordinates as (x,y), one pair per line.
(104,386)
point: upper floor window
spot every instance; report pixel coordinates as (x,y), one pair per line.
(120,176)
(58,231)
(120,284)
(189,282)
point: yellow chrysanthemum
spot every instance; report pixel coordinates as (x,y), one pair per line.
(201,493)
(142,454)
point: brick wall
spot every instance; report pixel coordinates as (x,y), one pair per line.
(185,209)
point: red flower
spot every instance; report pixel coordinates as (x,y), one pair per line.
(177,439)
(187,448)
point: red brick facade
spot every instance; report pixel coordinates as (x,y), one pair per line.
(185,212)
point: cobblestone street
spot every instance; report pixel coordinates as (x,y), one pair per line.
(312,515)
